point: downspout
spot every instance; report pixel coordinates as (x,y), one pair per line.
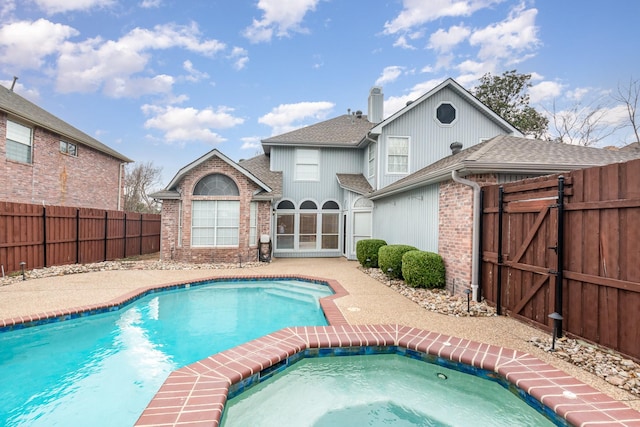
(120,172)
(476,230)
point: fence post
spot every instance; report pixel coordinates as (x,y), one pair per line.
(499,278)
(44,234)
(125,236)
(106,232)
(141,215)
(78,236)
(560,253)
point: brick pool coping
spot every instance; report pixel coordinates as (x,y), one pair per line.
(195,394)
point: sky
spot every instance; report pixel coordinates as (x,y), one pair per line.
(166,81)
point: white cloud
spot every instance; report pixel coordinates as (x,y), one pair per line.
(182,125)
(419,12)
(58,6)
(7,8)
(251,143)
(389,74)
(579,93)
(193,75)
(444,41)
(507,39)
(544,90)
(395,103)
(287,117)
(25,44)
(113,65)
(240,57)
(279,18)
(149,4)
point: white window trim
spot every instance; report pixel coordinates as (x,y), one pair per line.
(216,227)
(435,114)
(408,138)
(30,144)
(371,161)
(304,162)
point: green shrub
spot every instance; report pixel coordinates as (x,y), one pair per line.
(390,257)
(422,269)
(367,249)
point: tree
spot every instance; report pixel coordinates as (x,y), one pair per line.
(629,97)
(139,179)
(506,95)
(579,124)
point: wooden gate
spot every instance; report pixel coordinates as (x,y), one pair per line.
(596,258)
(527,255)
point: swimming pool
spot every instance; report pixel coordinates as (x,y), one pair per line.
(104,369)
(198,393)
(378,390)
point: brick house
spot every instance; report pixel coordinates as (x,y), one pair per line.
(48,161)
(215,210)
(413,178)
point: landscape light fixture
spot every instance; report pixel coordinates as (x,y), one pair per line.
(556,321)
(22,264)
(468,293)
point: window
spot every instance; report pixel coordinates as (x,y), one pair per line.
(18,142)
(307,165)
(68,148)
(398,154)
(372,159)
(330,225)
(446,113)
(216,185)
(285,225)
(308,225)
(215,223)
(253,224)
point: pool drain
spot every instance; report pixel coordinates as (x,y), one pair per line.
(441,376)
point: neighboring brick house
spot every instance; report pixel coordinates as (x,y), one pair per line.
(216,210)
(48,161)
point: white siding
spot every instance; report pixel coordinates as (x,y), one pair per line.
(331,162)
(430,140)
(410,218)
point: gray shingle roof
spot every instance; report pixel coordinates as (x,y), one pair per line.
(260,167)
(509,154)
(17,106)
(342,131)
(354,182)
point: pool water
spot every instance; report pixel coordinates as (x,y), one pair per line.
(377,390)
(102,370)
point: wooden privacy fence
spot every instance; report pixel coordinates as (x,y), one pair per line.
(568,244)
(44,236)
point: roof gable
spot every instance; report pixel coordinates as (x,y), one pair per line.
(214,153)
(15,105)
(463,93)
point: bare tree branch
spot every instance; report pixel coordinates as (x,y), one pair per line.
(139,180)
(629,97)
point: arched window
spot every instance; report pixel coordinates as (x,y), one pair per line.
(330,225)
(308,225)
(285,225)
(286,204)
(215,222)
(216,184)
